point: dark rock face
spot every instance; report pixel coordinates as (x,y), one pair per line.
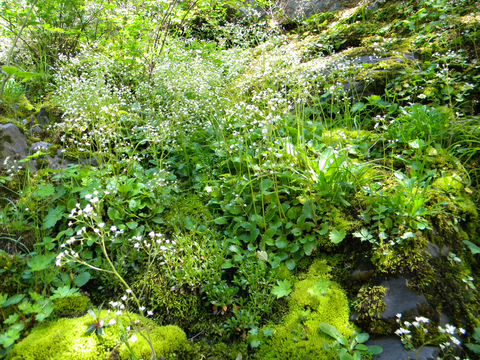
(400,299)
(394,350)
(42,117)
(13,144)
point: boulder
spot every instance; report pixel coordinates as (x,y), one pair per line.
(13,144)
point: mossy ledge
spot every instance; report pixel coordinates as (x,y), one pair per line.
(66,339)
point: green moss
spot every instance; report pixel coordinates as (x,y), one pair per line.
(369,303)
(72,305)
(166,340)
(298,336)
(343,136)
(172,307)
(449,183)
(66,339)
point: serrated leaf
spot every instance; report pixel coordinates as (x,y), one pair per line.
(337,236)
(44,191)
(40,262)
(12,319)
(308,248)
(53,216)
(255,343)
(282,289)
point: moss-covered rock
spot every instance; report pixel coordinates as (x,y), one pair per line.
(72,305)
(66,339)
(314,300)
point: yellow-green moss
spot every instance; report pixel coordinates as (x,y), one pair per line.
(166,340)
(298,336)
(343,136)
(72,305)
(66,339)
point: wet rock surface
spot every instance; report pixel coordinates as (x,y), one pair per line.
(400,299)
(394,350)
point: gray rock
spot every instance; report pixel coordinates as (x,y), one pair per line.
(300,9)
(42,117)
(13,144)
(400,299)
(433,250)
(35,130)
(39,146)
(394,350)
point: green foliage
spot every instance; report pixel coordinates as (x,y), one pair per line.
(314,300)
(350,349)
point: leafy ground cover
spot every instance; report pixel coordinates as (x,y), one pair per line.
(229,168)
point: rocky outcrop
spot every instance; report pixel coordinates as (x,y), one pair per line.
(13,145)
(300,9)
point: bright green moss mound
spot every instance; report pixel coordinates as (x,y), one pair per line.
(315,300)
(166,340)
(66,339)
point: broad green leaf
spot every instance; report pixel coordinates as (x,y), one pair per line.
(10,70)
(323,229)
(330,331)
(265,185)
(81,279)
(282,289)
(308,248)
(221,220)
(362,337)
(337,236)
(375,349)
(475,249)
(290,264)
(361,347)
(40,262)
(320,288)
(476,334)
(309,209)
(281,242)
(475,348)
(53,216)
(255,343)
(12,300)
(346,356)
(132,225)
